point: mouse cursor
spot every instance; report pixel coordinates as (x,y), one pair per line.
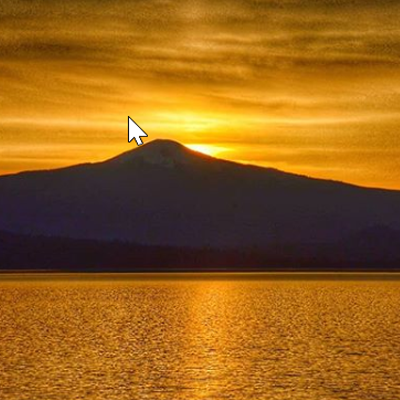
(135,132)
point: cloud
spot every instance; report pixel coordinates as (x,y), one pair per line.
(271,71)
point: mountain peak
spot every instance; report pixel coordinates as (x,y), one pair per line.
(164,145)
(163,152)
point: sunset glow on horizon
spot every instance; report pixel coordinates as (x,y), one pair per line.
(208,149)
(307,87)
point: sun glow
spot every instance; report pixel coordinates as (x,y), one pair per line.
(208,149)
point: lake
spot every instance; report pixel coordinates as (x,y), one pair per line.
(256,336)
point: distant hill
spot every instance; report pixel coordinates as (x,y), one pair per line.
(33,253)
(163,194)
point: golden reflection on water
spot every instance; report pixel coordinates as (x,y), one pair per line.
(209,339)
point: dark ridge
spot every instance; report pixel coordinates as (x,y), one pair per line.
(39,253)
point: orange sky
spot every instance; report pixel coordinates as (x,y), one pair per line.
(310,86)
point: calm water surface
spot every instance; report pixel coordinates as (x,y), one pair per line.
(66,338)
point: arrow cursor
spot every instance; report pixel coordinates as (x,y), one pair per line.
(135,132)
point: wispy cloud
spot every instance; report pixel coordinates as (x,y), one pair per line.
(266,71)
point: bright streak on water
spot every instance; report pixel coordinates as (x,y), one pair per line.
(109,339)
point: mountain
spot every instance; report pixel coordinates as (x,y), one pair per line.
(165,194)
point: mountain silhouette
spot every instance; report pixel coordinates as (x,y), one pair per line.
(162,193)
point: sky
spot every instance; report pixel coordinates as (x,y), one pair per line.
(306,86)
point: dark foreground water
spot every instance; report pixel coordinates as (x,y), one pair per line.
(250,337)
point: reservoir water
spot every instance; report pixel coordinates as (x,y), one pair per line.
(192,337)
